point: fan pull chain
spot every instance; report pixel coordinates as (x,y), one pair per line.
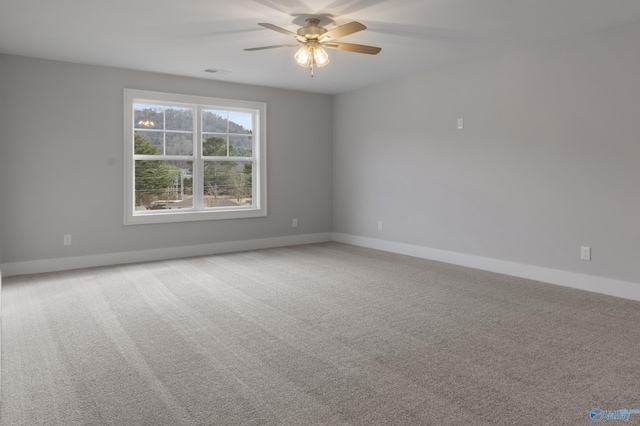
(311,68)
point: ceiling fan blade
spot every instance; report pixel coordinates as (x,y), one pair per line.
(342,30)
(251,49)
(350,47)
(301,39)
(279,29)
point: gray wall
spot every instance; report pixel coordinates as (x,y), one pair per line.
(548,160)
(61,152)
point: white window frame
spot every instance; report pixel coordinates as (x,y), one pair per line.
(197,212)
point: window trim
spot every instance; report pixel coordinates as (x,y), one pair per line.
(197,213)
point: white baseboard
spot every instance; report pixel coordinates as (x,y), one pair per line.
(608,286)
(65,263)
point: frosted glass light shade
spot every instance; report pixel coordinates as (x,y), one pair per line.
(320,56)
(304,56)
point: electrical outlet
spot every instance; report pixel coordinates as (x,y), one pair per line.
(380,225)
(460,123)
(585,253)
(67,239)
(294,222)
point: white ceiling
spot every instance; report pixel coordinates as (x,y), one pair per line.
(185,37)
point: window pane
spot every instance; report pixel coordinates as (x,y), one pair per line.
(163,185)
(214,121)
(214,145)
(148,142)
(227,184)
(147,117)
(179,118)
(240,122)
(240,145)
(179,143)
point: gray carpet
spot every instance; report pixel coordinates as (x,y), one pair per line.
(323,334)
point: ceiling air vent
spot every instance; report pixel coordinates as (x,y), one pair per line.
(217,71)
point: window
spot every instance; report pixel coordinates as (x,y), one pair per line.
(193,158)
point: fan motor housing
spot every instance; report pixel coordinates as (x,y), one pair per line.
(311,30)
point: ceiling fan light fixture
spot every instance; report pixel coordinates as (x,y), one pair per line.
(311,54)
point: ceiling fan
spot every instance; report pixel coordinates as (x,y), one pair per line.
(312,38)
